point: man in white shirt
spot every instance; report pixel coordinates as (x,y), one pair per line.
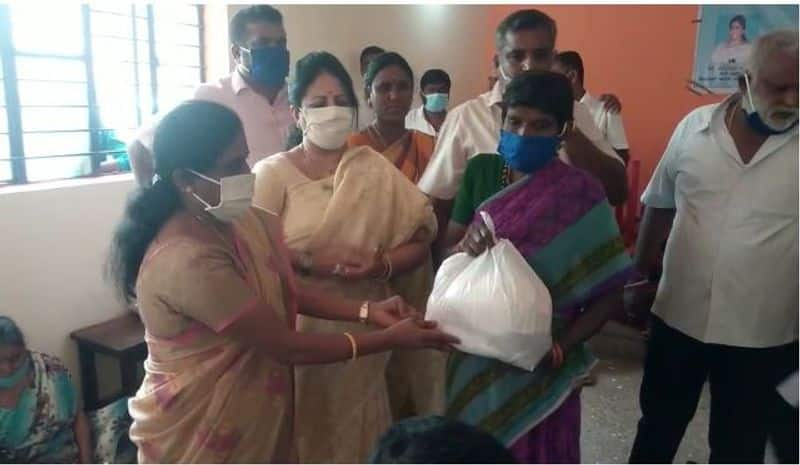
(525,40)
(366,115)
(725,193)
(434,91)
(255,90)
(570,64)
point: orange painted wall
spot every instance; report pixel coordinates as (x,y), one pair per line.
(642,53)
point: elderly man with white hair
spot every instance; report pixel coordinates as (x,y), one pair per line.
(725,197)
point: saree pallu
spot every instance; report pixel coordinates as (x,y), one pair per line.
(408,372)
(410,154)
(206,398)
(559,220)
(343,408)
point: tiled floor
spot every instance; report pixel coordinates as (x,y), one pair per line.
(611,410)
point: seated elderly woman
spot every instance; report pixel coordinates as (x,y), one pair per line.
(559,219)
(39,416)
(40,421)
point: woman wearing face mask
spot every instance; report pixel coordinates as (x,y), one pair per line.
(40,421)
(356,227)
(389,85)
(559,219)
(213,282)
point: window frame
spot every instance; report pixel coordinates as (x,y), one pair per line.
(13,108)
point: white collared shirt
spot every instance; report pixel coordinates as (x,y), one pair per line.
(609,123)
(266,126)
(415,119)
(473,128)
(366,115)
(730,267)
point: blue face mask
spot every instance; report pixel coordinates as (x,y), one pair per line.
(437,103)
(269,66)
(527,154)
(7,382)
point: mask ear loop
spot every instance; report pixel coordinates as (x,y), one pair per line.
(303,130)
(200,199)
(564,131)
(749,92)
(250,54)
(203,176)
(206,178)
(503,75)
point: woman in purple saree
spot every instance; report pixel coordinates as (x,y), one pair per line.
(557,216)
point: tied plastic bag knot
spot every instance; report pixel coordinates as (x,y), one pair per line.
(495,303)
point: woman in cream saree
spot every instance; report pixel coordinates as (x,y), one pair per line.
(357,228)
(366,205)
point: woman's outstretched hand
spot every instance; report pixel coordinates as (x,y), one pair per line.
(391,311)
(415,333)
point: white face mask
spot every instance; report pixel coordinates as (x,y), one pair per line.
(327,127)
(235,196)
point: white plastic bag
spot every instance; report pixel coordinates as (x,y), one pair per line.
(494,303)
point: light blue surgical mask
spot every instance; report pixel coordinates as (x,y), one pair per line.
(12,380)
(437,103)
(527,154)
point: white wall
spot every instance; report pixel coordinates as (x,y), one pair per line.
(216,52)
(451,37)
(53,244)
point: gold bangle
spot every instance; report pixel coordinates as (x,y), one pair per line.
(353,345)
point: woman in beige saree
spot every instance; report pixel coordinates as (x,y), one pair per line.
(357,228)
(215,289)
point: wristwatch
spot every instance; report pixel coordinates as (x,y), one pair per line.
(363,313)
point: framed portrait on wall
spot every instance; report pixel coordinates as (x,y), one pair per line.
(725,37)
